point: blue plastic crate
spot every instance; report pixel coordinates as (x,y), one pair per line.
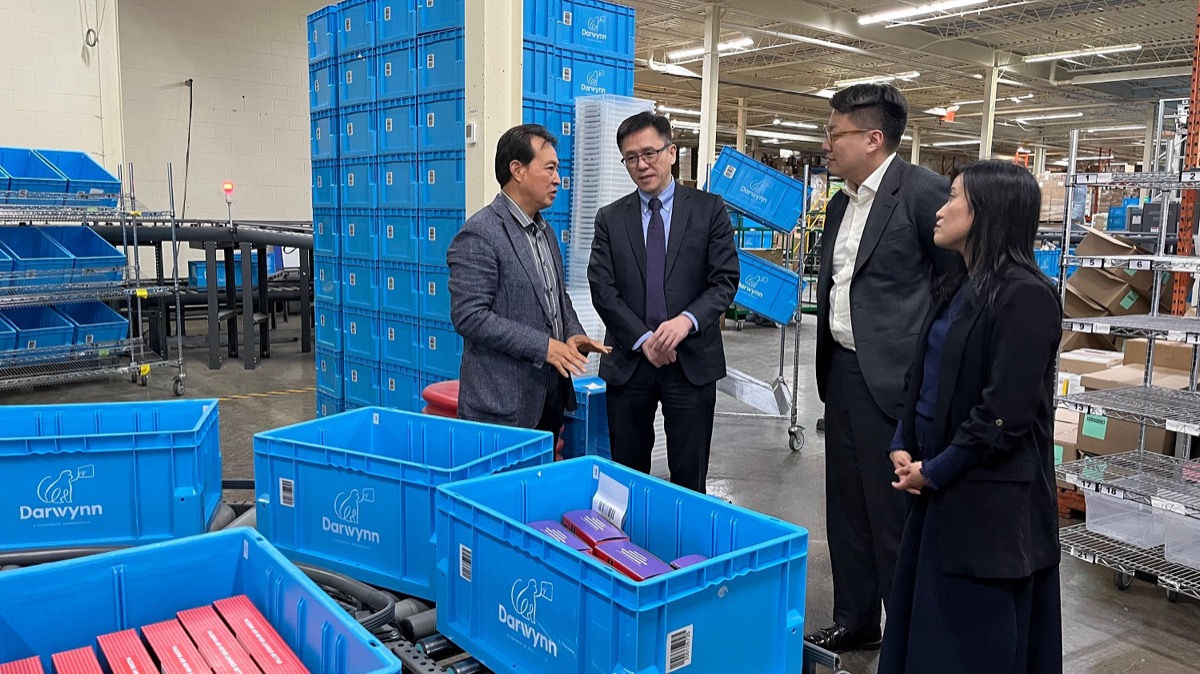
(561,226)
(357,131)
(29,172)
(435,294)
(364,486)
(585,429)
(439,15)
(396,126)
(329,372)
(401,389)
(94,322)
(395,20)
(440,62)
(361,334)
(357,235)
(441,349)
(34,256)
(437,230)
(325,232)
(400,342)
(587,25)
(356,78)
(322,34)
(759,191)
(326,178)
(558,119)
(561,208)
(400,289)
(518,600)
(325,139)
(767,289)
(328,321)
(396,70)
(85,178)
(5,181)
(357,184)
(8,336)
(356,25)
(95,259)
(441,122)
(1048,261)
(327,279)
(76,474)
(1116,219)
(398,182)
(360,284)
(362,384)
(198,271)
(130,589)
(560,76)
(398,234)
(323,85)
(329,405)
(443,181)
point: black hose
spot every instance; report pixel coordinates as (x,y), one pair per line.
(380,602)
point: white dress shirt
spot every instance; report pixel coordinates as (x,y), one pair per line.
(845,253)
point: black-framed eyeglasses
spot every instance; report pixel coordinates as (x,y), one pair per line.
(830,137)
(630,160)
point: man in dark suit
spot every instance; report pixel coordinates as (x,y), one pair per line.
(663,270)
(873,290)
(521,338)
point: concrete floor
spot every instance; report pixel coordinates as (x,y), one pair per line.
(1105,630)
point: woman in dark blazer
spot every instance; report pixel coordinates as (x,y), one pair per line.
(976,587)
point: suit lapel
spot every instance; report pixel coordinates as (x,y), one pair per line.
(680,218)
(520,244)
(881,212)
(633,229)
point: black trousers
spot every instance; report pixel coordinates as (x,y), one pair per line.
(864,513)
(554,408)
(687,416)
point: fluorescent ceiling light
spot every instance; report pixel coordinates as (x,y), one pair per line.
(918,10)
(1001,80)
(877,79)
(978,102)
(671,69)
(951,143)
(825,93)
(797,125)
(1042,118)
(740,43)
(1131,127)
(757,133)
(1097,51)
(773,141)
(679,111)
(1022,150)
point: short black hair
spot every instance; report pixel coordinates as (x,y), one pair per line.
(875,106)
(517,144)
(644,120)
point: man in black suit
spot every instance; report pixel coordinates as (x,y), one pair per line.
(873,290)
(663,270)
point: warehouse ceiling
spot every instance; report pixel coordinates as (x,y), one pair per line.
(797,48)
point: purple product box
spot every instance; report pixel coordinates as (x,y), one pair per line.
(591,526)
(561,534)
(631,560)
(688,560)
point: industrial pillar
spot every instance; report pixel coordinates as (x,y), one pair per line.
(708,94)
(494,31)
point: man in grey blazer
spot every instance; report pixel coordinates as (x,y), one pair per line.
(521,338)
(874,284)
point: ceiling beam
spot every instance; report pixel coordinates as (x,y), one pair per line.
(1129,75)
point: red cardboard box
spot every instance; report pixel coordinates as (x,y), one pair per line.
(79,661)
(688,560)
(126,654)
(591,526)
(174,648)
(561,534)
(26,666)
(631,560)
(215,642)
(258,637)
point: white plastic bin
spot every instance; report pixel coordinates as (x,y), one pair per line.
(1183,539)
(1126,521)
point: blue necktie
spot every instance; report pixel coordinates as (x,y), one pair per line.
(656,260)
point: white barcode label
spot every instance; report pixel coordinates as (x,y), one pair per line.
(388,178)
(431,178)
(391,232)
(387,125)
(429,61)
(318,133)
(349,128)
(567,19)
(432,288)
(679,649)
(349,180)
(464,563)
(387,13)
(429,120)
(433,343)
(566,74)
(287,493)
(349,77)
(433,234)
(609,512)
(729,171)
(351,232)
(387,70)
(566,130)
(611,500)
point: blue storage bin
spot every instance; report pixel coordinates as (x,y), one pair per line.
(557,75)
(435,294)
(356,78)
(767,289)
(1116,219)
(198,271)
(361,334)
(374,471)
(323,85)
(398,232)
(561,208)
(329,405)
(96,260)
(5,180)
(441,349)
(355,232)
(358,131)
(401,389)
(322,34)
(357,184)
(441,122)
(362,385)
(76,475)
(591,618)
(440,62)
(85,178)
(327,279)
(561,227)
(328,321)
(29,172)
(558,119)
(400,342)
(396,70)
(443,181)
(133,588)
(395,20)
(439,15)
(325,231)
(1048,261)
(398,182)
(95,323)
(6,268)
(587,25)
(437,231)
(585,430)
(356,25)
(360,284)
(34,255)
(8,336)
(755,238)
(759,191)
(329,372)
(400,289)
(325,126)
(396,126)
(326,175)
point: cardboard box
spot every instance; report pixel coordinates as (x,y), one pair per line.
(1134,375)
(631,560)
(561,534)
(1066,436)
(1069,384)
(772,255)
(1087,361)
(125,653)
(79,661)
(1100,436)
(258,637)
(688,560)
(1100,244)
(1078,306)
(1116,296)
(1072,341)
(27,666)
(215,642)
(174,648)
(1170,355)
(592,527)
(1066,417)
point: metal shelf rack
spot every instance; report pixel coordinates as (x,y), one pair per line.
(1173,263)
(1163,482)
(1173,410)
(1167,328)
(1129,562)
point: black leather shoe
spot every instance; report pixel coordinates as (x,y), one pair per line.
(838,639)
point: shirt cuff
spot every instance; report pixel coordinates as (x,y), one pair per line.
(638,345)
(897,439)
(695,323)
(944,469)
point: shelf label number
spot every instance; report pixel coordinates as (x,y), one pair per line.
(1190,177)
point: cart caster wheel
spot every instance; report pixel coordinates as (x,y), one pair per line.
(143,380)
(1172,596)
(796,440)
(133,378)
(177,387)
(740,324)
(1123,581)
